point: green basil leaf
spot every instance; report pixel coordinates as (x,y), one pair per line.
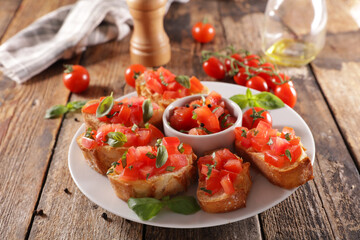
(206,190)
(148,111)
(170,168)
(123,159)
(183,81)
(75,105)
(240,100)
(183,205)
(134,127)
(288,154)
(145,208)
(248,94)
(181,148)
(161,156)
(116,139)
(88,133)
(56,111)
(268,101)
(150,155)
(105,106)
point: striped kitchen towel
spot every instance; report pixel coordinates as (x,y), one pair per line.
(63,33)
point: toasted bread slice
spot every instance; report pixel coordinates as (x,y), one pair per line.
(100,158)
(93,122)
(220,201)
(158,186)
(288,177)
(142,90)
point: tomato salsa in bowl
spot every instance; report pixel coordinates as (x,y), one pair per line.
(206,122)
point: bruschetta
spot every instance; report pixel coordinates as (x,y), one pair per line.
(106,145)
(280,156)
(224,182)
(163,87)
(127,111)
(159,171)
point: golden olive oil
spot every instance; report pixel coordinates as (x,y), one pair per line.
(290,52)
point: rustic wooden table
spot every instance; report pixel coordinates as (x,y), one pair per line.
(33,151)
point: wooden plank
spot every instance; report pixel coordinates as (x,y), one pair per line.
(322,208)
(7,11)
(337,69)
(73,216)
(26,138)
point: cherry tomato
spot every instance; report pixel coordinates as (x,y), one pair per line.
(253,116)
(133,72)
(286,93)
(257,83)
(272,80)
(252,60)
(213,67)
(241,77)
(235,56)
(203,32)
(76,78)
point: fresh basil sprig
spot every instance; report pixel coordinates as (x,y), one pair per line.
(264,100)
(161,156)
(116,139)
(148,111)
(183,81)
(147,208)
(59,110)
(105,106)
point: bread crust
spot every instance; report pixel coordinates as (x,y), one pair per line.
(222,202)
(166,184)
(142,90)
(297,174)
(93,122)
(101,158)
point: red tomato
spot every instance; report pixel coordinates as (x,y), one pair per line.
(274,160)
(155,132)
(213,98)
(206,117)
(227,185)
(90,108)
(252,60)
(273,80)
(252,117)
(88,143)
(182,119)
(295,152)
(203,32)
(171,144)
(279,145)
(123,114)
(153,82)
(287,94)
(257,83)
(233,165)
(213,67)
(242,76)
(236,63)
(76,78)
(197,131)
(133,72)
(195,85)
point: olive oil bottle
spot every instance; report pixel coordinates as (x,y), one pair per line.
(294,31)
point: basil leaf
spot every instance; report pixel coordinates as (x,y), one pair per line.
(148,111)
(134,127)
(170,168)
(145,208)
(268,101)
(183,205)
(105,106)
(288,154)
(150,155)
(183,81)
(75,105)
(123,159)
(203,100)
(116,139)
(287,136)
(206,190)
(88,133)
(181,148)
(56,111)
(162,79)
(240,100)
(248,94)
(162,156)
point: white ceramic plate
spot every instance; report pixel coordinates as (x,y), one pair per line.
(263,195)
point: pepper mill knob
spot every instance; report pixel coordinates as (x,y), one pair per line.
(149,44)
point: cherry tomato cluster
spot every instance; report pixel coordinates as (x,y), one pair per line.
(249,70)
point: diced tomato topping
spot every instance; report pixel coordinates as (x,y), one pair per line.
(213,183)
(197,131)
(295,152)
(295,141)
(227,185)
(205,116)
(260,144)
(153,83)
(240,132)
(122,116)
(182,119)
(143,136)
(232,175)
(213,98)
(263,129)
(171,144)
(90,108)
(166,74)
(279,145)
(171,94)
(233,165)
(204,169)
(218,111)
(146,171)
(289,131)
(187,149)
(178,161)
(129,174)
(195,85)
(88,143)
(155,132)
(274,159)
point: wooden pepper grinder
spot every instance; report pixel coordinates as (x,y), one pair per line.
(149,44)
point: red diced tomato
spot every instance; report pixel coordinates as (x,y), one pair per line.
(288,130)
(146,172)
(219,111)
(178,161)
(171,144)
(295,152)
(88,143)
(240,132)
(260,144)
(207,159)
(195,85)
(129,175)
(155,132)
(182,119)
(168,76)
(295,141)
(171,94)
(143,136)
(233,165)
(213,98)
(279,145)
(90,108)
(232,175)
(213,183)
(153,83)
(273,159)
(205,116)
(227,185)
(136,115)
(187,149)
(197,131)
(123,115)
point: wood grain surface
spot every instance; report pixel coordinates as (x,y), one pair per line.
(34,176)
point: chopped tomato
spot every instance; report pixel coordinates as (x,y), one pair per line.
(129,174)
(143,136)
(295,141)
(213,98)
(295,152)
(171,94)
(273,159)
(171,144)
(279,145)
(213,183)
(90,108)
(146,171)
(288,132)
(197,131)
(187,149)
(122,116)
(153,83)
(195,85)
(155,132)
(227,185)
(136,115)
(205,116)
(178,161)
(88,143)
(182,119)
(233,165)
(167,76)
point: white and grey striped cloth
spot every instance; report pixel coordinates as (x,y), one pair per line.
(63,33)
